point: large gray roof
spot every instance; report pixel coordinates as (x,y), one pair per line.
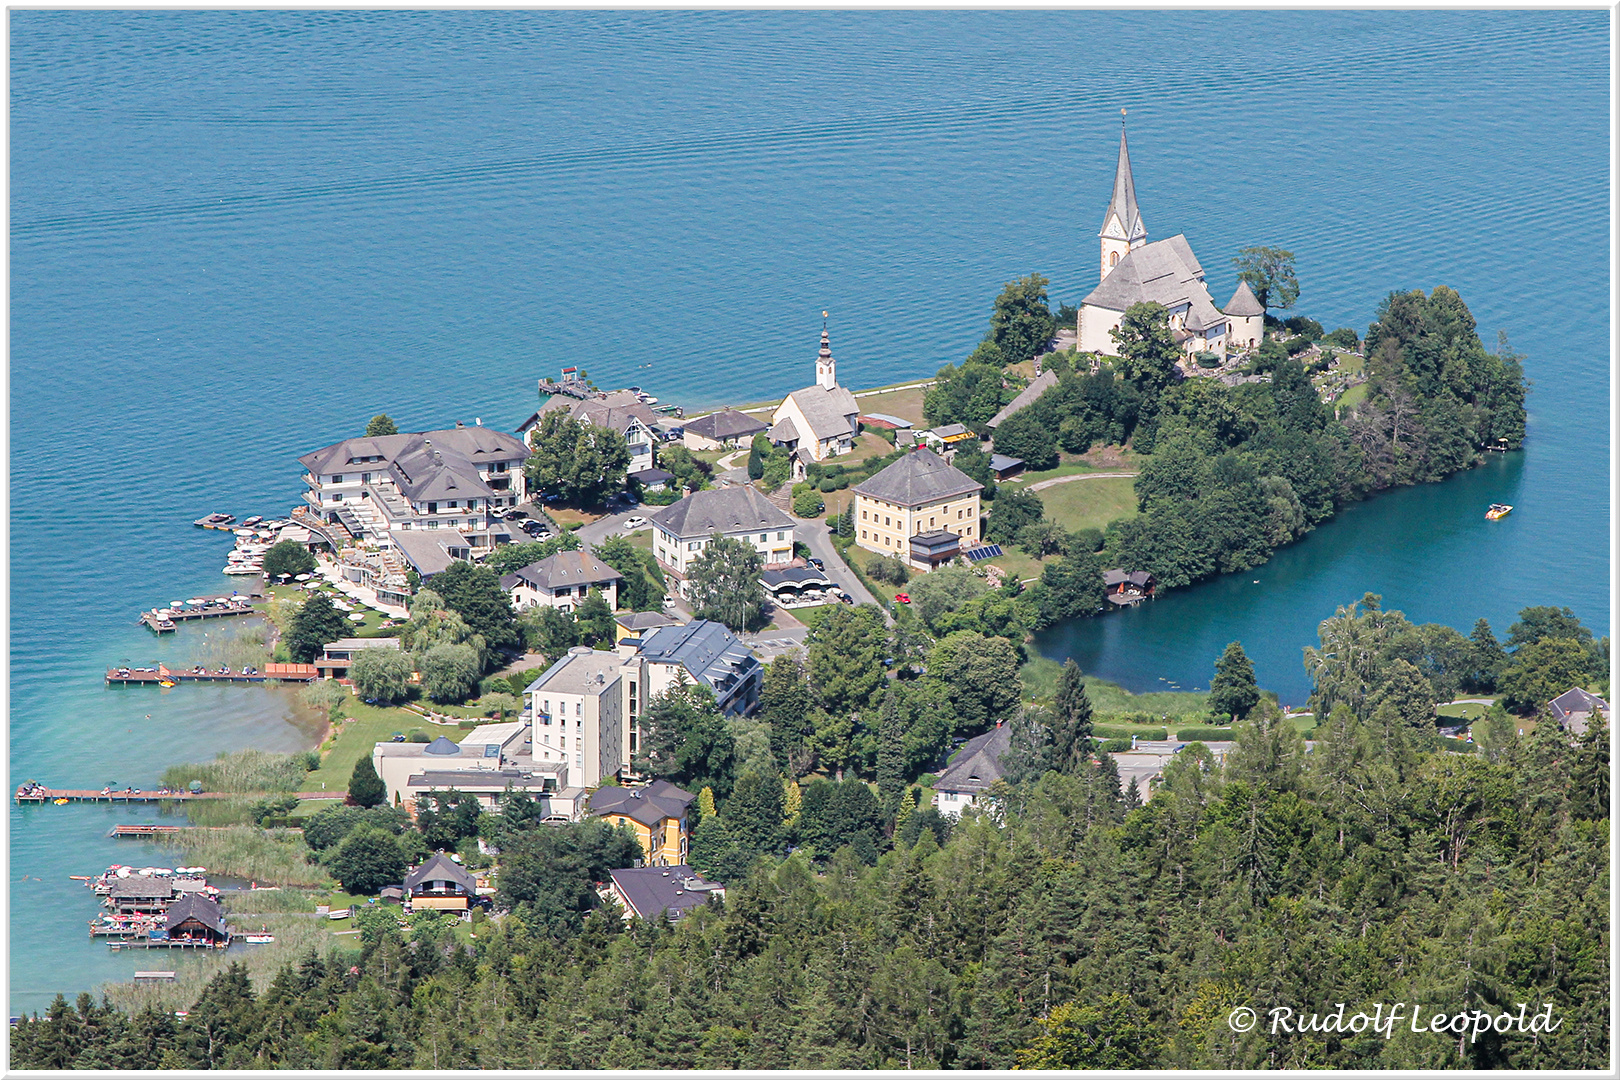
(427,468)
(920,477)
(1043,382)
(711,653)
(142,886)
(1165,272)
(616,412)
(648,805)
(439,868)
(739,508)
(1123,204)
(199,907)
(425,548)
(726,424)
(569,568)
(1244,303)
(830,413)
(674,890)
(580,670)
(476,444)
(978,764)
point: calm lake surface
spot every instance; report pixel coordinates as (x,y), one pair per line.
(237,236)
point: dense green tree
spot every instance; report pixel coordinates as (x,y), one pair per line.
(446,818)
(970,394)
(366,860)
(945,590)
(593,620)
(1233,690)
(756,457)
(1537,623)
(381,424)
(1270,273)
(548,630)
(287,557)
(382,675)
(575,460)
(891,760)
(1025,435)
(1486,659)
(980,675)
(509,557)
(547,874)
(1108,1034)
(313,626)
(1014,510)
(754,813)
(971,459)
(1029,746)
(365,786)
(835,814)
(1542,670)
(723,584)
(846,658)
(328,828)
(1147,352)
(685,740)
(643,586)
(784,704)
(450,673)
(432,623)
(1071,721)
(1070,587)
(475,593)
(1021,323)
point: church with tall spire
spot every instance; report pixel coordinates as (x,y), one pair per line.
(1132,270)
(820,421)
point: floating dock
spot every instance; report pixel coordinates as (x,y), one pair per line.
(35,794)
(272,673)
(165,623)
(144,831)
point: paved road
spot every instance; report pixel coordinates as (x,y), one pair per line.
(815,534)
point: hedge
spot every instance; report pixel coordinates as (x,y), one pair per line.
(1204,734)
(1104,731)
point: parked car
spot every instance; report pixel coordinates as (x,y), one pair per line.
(632,524)
(819,565)
(902,598)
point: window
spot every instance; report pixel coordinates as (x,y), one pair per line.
(338,479)
(365,478)
(579,707)
(930,523)
(781,536)
(337,496)
(433,508)
(886,520)
(959,515)
(863,515)
(863,534)
(452,504)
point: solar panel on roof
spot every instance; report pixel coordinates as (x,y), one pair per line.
(988,551)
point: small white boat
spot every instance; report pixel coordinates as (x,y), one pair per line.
(340,913)
(260,939)
(242,568)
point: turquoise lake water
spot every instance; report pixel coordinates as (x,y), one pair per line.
(236,236)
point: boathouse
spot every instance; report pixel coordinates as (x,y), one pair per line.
(440,883)
(198,919)
(140,894)
(1128,588)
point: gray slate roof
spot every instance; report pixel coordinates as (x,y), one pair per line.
(1043,382)
(475,444)
(1574,707)
(428,469)
(649,805)
(142,887)
(785,431)
(712,654)
(726,424)
(425,548)
(1165,272)
(978,764)
(1123,204)
(740,508)
(638,621)
(570,568)
(439,868)
(198,907)
(650,890)
(920,477)
(830,413)
(1244,304)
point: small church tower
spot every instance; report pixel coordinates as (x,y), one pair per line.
(826,374)
(1122,227)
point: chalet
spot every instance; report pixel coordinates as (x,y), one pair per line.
(727,429)
(563,581)
(650,891)
(1574,709)
(196,918)
(1128,589)
(621,412)
(440,883)
(336,656)
(971,771)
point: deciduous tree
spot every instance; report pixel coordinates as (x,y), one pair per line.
(575,460)
(381,675)
(315,624)
(381,424)
(723,584)
(1021,323)
(1270,273)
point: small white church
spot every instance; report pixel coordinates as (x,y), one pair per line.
(1166,272)
(820,421)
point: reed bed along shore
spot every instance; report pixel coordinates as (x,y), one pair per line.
(273,856)
(295,936)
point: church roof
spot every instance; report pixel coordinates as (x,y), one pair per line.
(1243,303)
(1165,271)
(1123,204)
(830,413)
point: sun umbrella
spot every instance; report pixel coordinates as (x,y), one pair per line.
(302,577)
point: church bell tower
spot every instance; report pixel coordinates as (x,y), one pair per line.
(1122,227)
(826,374)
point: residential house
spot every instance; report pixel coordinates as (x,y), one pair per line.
(620,412)
(646,892)
(1574,709)
(656,813)
(440,884)
(920,509)
(633,624)
(682,530)
(562,581)
(701,652)
(971,771)
(727,429)
(946,437)
(336,656)
(1127,589)
(140,894)
(820,421)
(458,479)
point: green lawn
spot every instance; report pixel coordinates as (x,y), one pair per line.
(1108,700)
(1090,504)
(1463,710)
(353,738)
(1352,397)
(1016,563)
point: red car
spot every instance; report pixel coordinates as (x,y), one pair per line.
(902,598)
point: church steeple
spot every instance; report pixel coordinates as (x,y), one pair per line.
(826,373)
(1122,227)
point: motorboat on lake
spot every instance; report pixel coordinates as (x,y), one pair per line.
(1498,511)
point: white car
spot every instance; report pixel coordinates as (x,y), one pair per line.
(632,524)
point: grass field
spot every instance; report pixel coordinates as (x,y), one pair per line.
(906,404)
(363,727)
(1040,679)
(1090,504)
(1017,563)
(1463,710)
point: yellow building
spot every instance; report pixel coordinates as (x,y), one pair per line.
(921,508)
(655,813)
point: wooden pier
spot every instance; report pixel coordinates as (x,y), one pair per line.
(165,623)
(147,831)
(272,673)
(27,794)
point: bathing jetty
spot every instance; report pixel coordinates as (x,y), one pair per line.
(35,793)
(145,831)
(123,676)
(164,620)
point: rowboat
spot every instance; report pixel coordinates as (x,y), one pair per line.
(1498,511)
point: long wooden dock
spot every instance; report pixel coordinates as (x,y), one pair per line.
(152,677)
(143,831)
(35,794)
(165,623)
